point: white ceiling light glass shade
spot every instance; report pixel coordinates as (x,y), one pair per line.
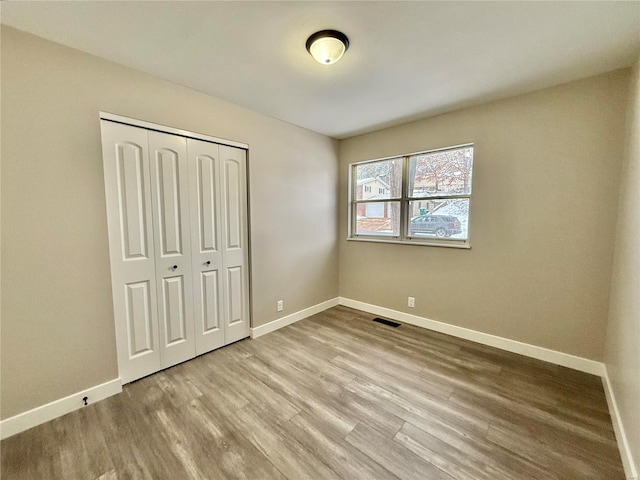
(327,46)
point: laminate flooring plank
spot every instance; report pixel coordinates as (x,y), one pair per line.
(133,440)
(29,455)
(274,348)
(502,408)
(503,463)
(309,400)
(398,381)
(592,416)
(247,461)
(407,335)
(310,375)
(387,337)
(235,352)
(177,385)
(256,392)
(216,388)
(459,434)
(402,462)
(297,344)
(209,446)
(343,339)
(110,475)
(483,383)
(346,460)
(94,459)
(447,458)
(559,440)
(366,336)
(422,412)
(274,441)
(563,460)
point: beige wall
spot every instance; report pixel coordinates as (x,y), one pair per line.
(622,352)
(57,327)
(542,225)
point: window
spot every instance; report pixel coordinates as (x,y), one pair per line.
(425,200)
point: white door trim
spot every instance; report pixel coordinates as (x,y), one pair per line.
(112,117)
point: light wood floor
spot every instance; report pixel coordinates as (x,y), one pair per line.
(336,396)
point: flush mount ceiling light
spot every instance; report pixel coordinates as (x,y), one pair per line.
(327,46)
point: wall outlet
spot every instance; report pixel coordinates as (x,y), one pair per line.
(280,305)
(411,302)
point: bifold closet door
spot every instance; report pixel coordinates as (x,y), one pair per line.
(170,194)
(208,293)
(219,243)
(178,241)
(235,249)
(133,274)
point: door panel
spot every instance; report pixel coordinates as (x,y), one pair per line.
(125,154)
(210,302)
(207,189)
(130,178)
(168,201)
(204,195)
(174,315)
(235,295)
(233,216)
(139,322)
(170,193)
(235,253)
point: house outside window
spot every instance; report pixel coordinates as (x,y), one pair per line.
(422,198)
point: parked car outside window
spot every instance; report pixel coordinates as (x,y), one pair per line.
(438,225)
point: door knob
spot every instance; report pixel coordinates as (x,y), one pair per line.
(208,262)
(175,267)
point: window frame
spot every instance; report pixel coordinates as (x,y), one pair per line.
(404,238)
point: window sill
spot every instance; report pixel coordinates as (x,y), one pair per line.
(410,242)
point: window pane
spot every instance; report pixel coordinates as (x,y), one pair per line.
(440,218)
(441,173)
(379,180)
(379,218)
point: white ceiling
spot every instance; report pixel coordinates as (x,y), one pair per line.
(407,60)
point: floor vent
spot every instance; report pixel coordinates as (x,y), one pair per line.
(386,322)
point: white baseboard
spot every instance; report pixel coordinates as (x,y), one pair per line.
(293,318)
(630,469)
(57,408)
(514,346)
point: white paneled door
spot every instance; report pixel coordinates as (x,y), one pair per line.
(234,242)
(217,179)
(170,194)
(177,213)
(208,293)
(133,271)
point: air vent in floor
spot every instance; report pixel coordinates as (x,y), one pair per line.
(386,322)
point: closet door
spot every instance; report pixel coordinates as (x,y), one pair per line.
(170,195)
(234,245)
(133,276)
(208,294)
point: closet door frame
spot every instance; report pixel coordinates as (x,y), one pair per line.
(155,282)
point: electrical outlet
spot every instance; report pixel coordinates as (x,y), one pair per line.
(280,305)
(411,302)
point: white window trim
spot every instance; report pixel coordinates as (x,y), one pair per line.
(404,200)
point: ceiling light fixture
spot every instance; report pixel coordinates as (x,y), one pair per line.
(327,46)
